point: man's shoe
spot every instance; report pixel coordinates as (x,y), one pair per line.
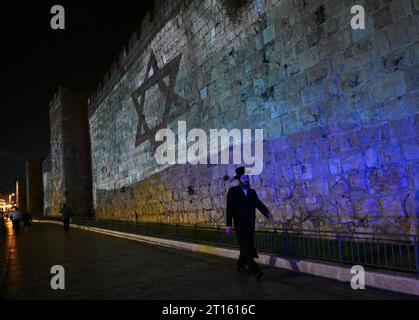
(241,269)
(258,275)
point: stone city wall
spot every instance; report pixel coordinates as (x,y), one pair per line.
(47,185)
(70,153)
(339,109)
(21,197)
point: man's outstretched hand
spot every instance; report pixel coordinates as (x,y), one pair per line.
(229,229)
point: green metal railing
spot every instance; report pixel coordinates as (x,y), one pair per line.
(397,252)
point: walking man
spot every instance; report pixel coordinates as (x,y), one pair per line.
(16,216)
(67,214)
(242,202)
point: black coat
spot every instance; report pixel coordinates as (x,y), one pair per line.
(241,210)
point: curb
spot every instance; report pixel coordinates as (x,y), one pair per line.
(386,281)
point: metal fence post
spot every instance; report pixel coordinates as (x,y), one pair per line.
(340,246)
(287,249)
(415,240)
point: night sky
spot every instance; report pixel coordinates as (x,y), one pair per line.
(37,59)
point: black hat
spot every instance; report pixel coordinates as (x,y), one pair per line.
(239,173)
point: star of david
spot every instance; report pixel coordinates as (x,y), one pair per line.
(170,70)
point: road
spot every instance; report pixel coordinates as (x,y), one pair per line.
(104,267)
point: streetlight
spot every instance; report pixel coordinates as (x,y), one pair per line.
(12,199)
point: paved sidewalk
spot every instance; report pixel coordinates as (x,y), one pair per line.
(104,267)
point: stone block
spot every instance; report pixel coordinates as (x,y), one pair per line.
(382,17)
(269,34)
(413,175)
(371,157)
(402,31)
(311,94)
(345,208)
(367,206)
(411,77)
(259,86)
(410,152)
(320,187)
(389,177)
(357,181)
(353,161)
(338,185)
(335,166)
(203,93)
(391,205)
(391,86)
(309,58)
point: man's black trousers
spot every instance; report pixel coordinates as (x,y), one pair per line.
(16,224)
(66,224)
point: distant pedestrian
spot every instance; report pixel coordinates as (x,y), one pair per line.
(67,214)
(27,220)
(16,216)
